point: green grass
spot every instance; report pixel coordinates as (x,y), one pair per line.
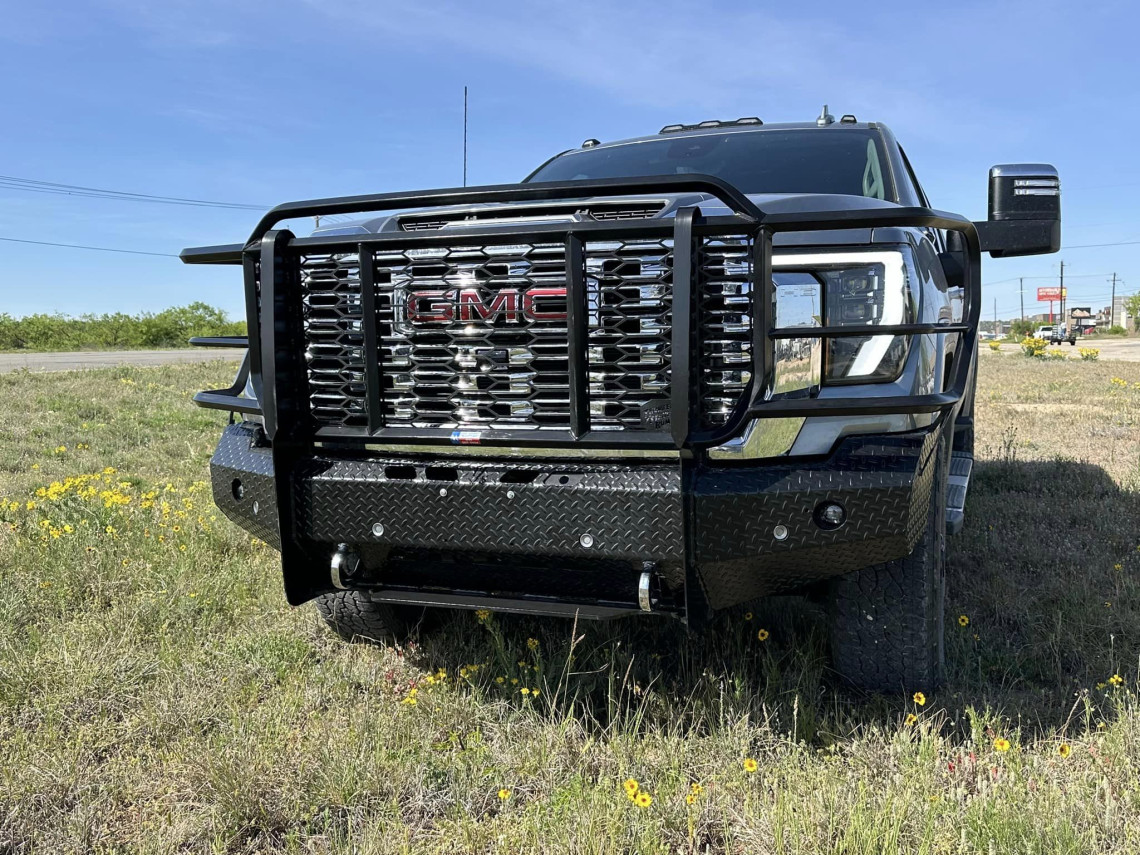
(155,699)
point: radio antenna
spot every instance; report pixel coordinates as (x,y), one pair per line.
(464,136)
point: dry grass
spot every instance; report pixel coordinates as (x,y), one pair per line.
(155,699)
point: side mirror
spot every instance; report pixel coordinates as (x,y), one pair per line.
(1024,211)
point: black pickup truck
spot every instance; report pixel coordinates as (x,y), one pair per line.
(659,376)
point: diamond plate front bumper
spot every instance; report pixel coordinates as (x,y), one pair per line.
(579,534)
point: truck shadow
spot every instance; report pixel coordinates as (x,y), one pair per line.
(1042,605)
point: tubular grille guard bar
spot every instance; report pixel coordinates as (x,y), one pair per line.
(272,260)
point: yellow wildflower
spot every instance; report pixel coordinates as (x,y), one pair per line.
(750,765)
(1001,744)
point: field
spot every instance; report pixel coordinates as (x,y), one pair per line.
(158,695)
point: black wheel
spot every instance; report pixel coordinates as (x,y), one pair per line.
(887,621)
(354,617)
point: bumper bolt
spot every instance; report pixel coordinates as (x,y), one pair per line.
(587,541)
(378,529)
(780,532)
(443,491)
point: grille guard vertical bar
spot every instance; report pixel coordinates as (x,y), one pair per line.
(373,367)
(274,317)
(763,319)
(577,336)
(683,312)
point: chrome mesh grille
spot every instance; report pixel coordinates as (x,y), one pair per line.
(330,293)
(445,365)
(629,358)
(724,296)
(476,337)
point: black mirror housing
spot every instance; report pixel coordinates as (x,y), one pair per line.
(1024,211)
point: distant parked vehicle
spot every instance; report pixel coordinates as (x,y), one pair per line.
(1045,332)
(1062,333)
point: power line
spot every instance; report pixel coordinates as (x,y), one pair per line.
(1091,245)
(32,185)
(93,248)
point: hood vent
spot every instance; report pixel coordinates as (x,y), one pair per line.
(602,211)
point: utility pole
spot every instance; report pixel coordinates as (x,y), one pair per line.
(1112,305)
(995,318)
(1021,291)
(1061,320)
(464,136)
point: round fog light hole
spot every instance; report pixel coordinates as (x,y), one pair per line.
(830,515)
(237,489)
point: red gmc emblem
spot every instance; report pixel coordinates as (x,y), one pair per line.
(468,304)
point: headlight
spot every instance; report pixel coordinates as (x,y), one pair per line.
(858,289)
(851,288)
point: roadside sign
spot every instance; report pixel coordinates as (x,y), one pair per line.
(1050,293)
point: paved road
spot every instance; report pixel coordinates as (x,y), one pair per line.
(1124,349)
(105,359)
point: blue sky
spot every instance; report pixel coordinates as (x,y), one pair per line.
(268,102)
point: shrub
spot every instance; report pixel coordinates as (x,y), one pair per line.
(1089,354)
(995,346)
(1033,346)
(115,331)
(1116,329)
(1022,328)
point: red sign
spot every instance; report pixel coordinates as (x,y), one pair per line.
(1050,293)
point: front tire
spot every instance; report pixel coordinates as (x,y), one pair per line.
(888,620)
(355,618)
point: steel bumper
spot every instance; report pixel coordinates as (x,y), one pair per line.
(715,536)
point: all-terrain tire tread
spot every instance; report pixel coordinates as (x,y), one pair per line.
(354,617)
(887,620)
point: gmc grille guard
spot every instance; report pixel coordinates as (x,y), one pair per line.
(271,260)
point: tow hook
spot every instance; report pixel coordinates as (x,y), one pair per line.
(645,596)
(344,565)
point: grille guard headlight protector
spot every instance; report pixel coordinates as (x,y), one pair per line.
(854,289)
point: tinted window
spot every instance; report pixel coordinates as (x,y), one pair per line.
(828,160)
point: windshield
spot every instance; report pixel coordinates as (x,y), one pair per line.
(827,160)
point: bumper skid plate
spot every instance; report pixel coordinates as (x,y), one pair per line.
(579,535)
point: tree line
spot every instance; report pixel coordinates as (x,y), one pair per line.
(115,331)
